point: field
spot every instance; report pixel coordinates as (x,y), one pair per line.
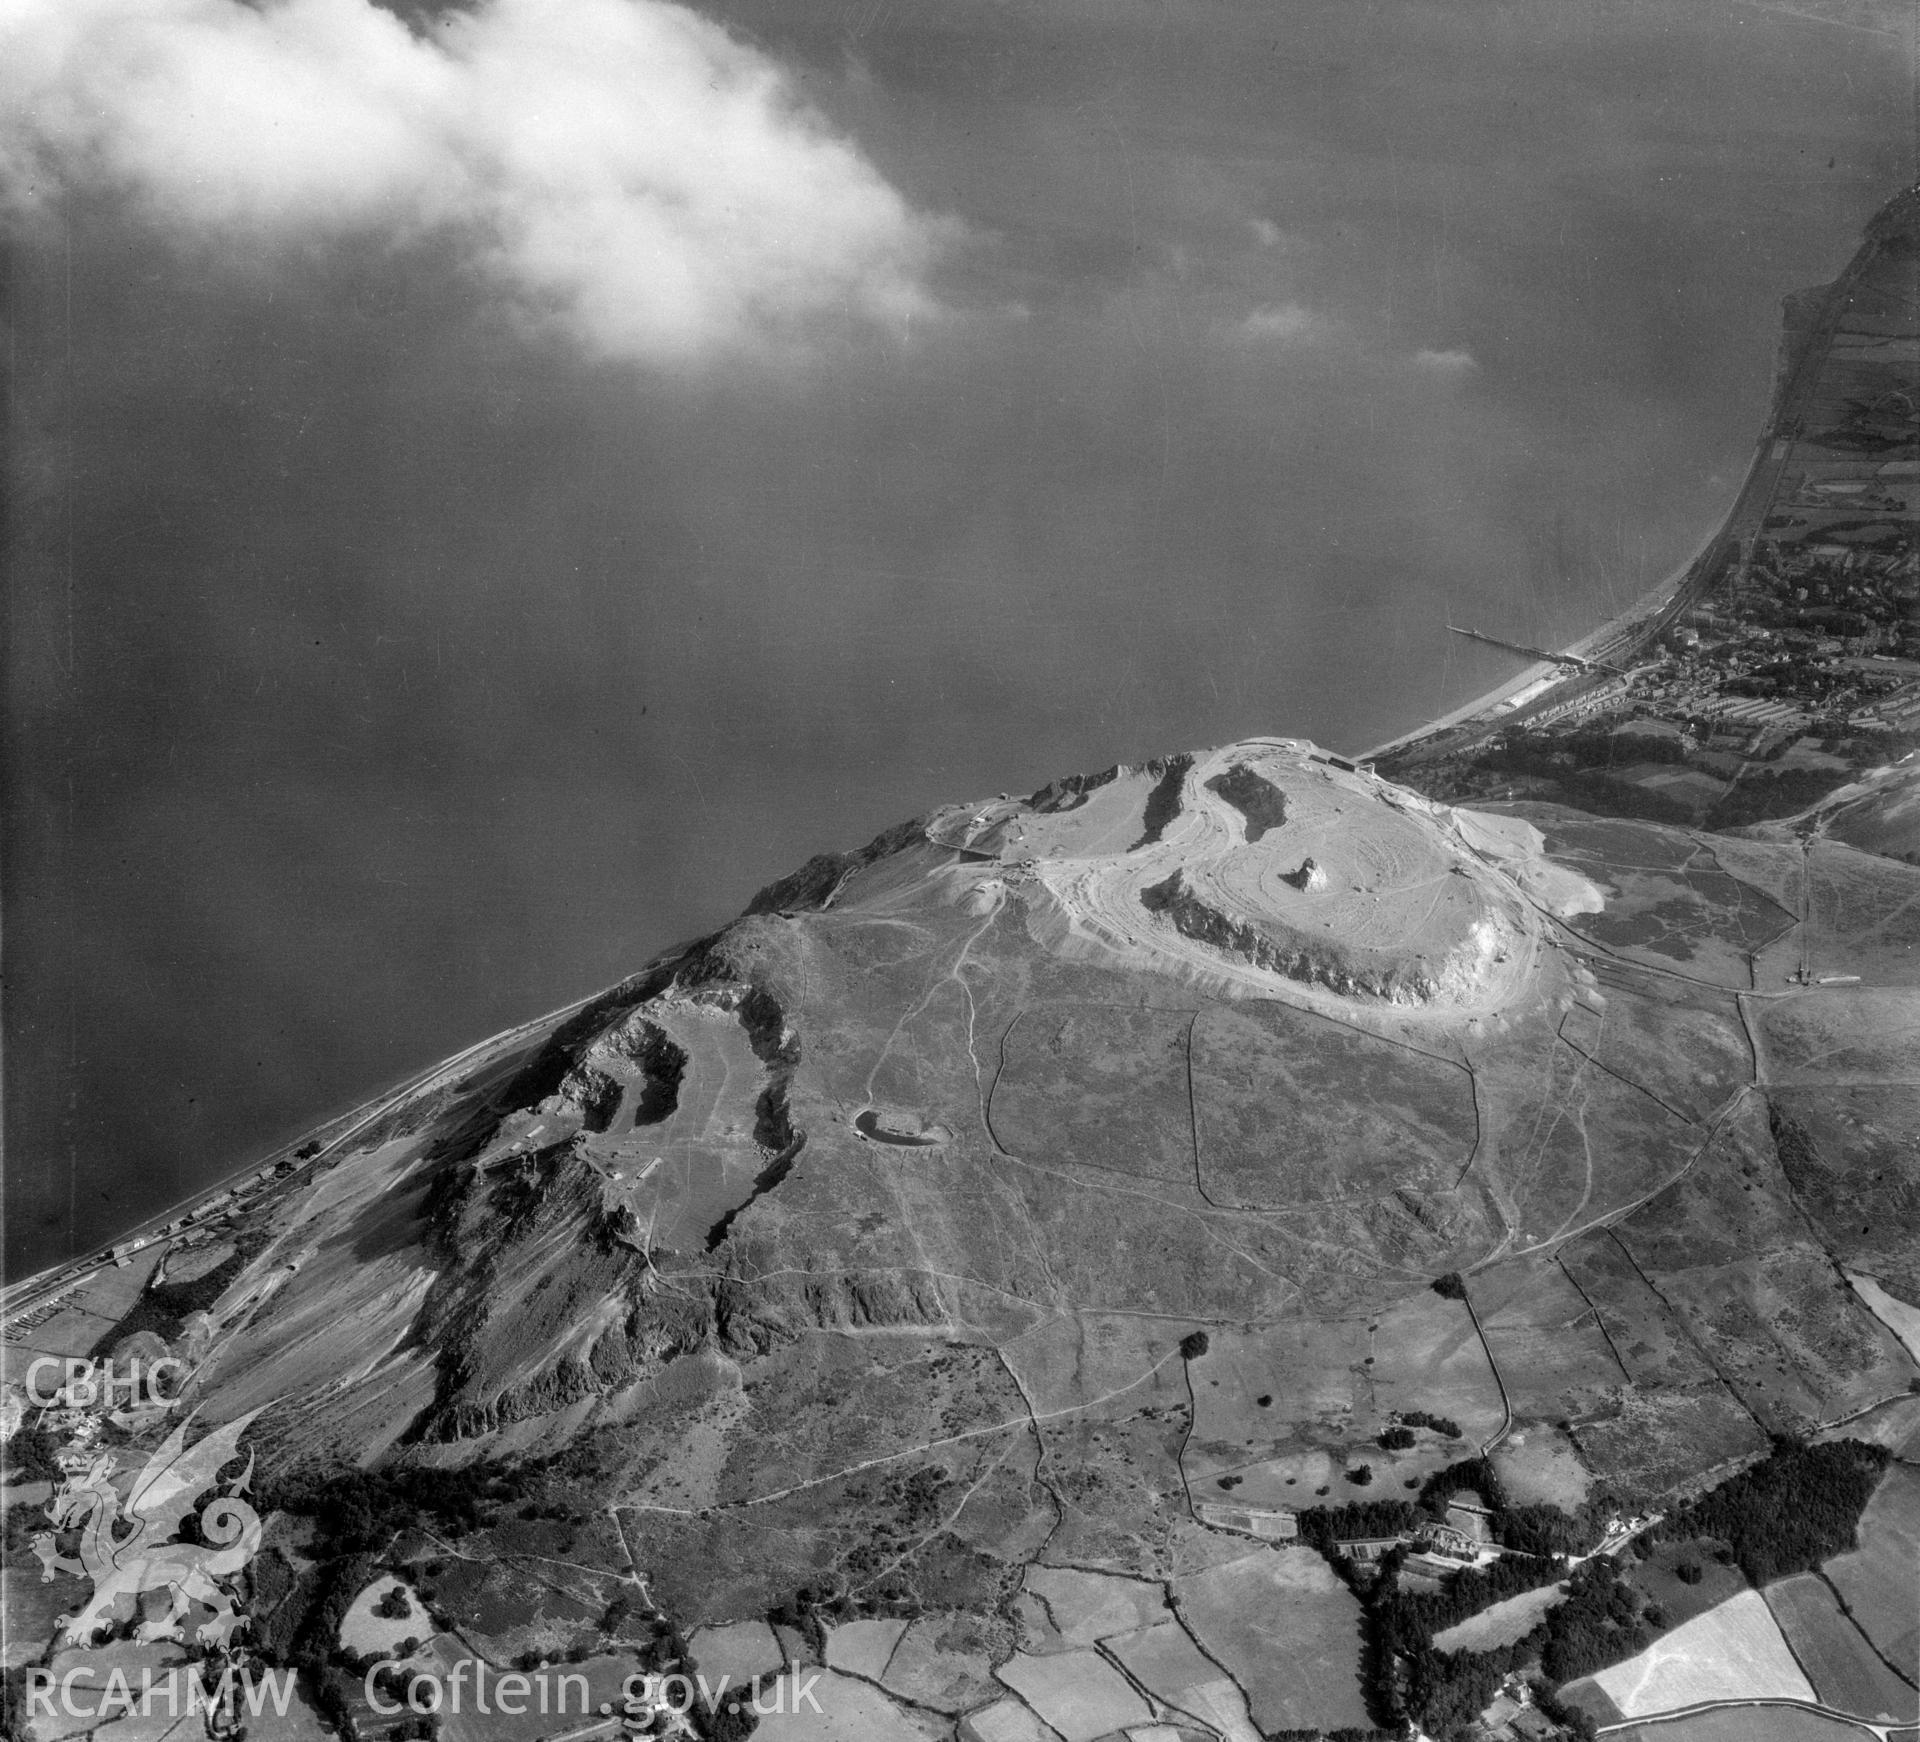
(1895,1425)
(301,1723)
(1549,1348)
(1729,1250)
(1286,1630)
(1694,1052)
(1329,1388)
(831,1401)
(1006,1720)
(1567,1140)
(741,1651)
(850,1711)
(1539,1465)
(1861,920)
(1661,1439)
(1850,1156)
(1291,1107)
(87,1313)
(1858,1034)
(1744,1724)
(1651,1343)
(1663,906)
(1082,1608)
(1896,1315)
(1658,1577)
(1078,1692)
(863,1647)
(1733,1651)
(944,1662)
(94,1670)
(369,1635)
(605,1677)
(29,1609)
(1068,1363)
(1113,1514)
(1165,1661)
(1846,1672)
(1876,1581)
(1500,1624)
(1104,1085)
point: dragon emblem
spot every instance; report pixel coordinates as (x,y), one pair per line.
(128,1548)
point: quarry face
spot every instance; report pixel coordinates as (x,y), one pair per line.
(1131,1260)
(1055,1215)
(1268,869)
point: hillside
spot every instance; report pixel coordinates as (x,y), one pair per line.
(960,1272)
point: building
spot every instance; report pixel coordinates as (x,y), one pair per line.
(1367,1550)
(1270,1525)
(1444,1539)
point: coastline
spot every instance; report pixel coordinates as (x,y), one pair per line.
(1617,639)
(1621,637)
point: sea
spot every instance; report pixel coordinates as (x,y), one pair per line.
(384,666)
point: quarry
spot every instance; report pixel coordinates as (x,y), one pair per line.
(1323,884)
(1256,1243)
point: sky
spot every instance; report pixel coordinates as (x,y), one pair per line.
(489,488)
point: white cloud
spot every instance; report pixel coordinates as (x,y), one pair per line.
(622,169)
(1285,323)
(1446,362)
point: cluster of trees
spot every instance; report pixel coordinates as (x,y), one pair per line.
(1540,1529)
(1322,1526)
(32,1451)
(1404,1677)
(359,1511)
(1441,1424)
(1536,1529)
(1476,1474)
(163,1307)
(356,1515)
(1556,753)
(1791,1511)
(300,1626)
(1416,1616)
(1784,1515)
(1582,766)
(1599,1621)
(1779,792)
